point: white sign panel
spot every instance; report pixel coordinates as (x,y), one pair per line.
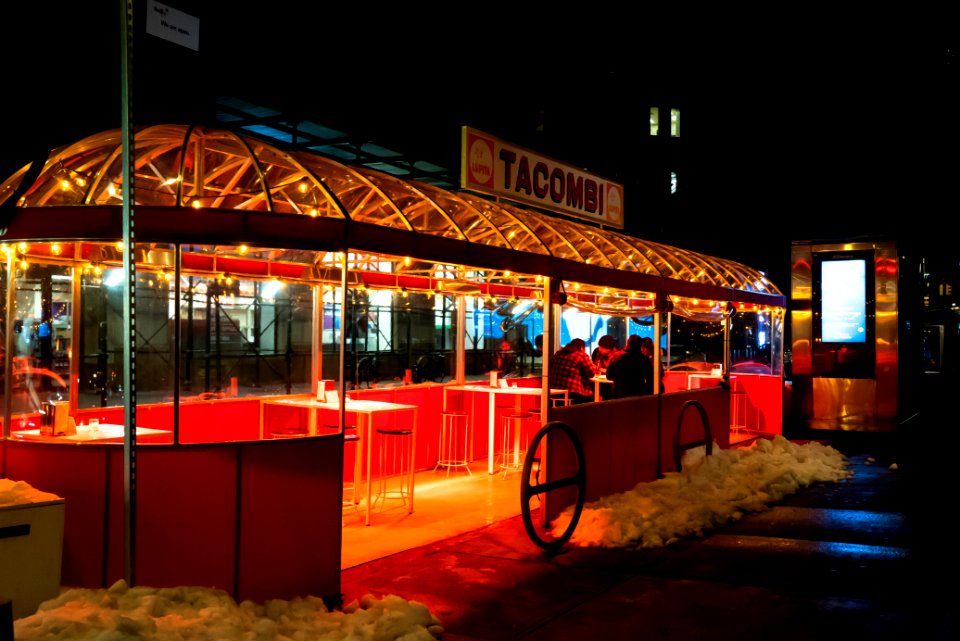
(492,166)
(177,27)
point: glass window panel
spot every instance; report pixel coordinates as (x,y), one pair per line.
(245,337)
(42,331)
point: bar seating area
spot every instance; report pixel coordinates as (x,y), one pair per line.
(309,315)
(512,441)
(454,451)
(396,478)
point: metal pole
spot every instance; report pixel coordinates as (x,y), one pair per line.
(130,301)
(10,346)
(460,347)
(341,376)
(177,339)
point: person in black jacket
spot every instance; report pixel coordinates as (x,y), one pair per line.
(631,371)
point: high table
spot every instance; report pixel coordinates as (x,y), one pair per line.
(103,432)
(696,380)
(600,379)
(364,409)
(492,392)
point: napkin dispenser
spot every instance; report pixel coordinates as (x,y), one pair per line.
(55,419)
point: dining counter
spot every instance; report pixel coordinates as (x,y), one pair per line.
(492,392)
(365,410)
(104,432)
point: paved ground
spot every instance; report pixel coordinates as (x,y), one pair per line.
(872,557)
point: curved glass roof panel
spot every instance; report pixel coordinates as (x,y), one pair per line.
(515,233)
(630,257)
(68,173)
(361,200)
(9,186)
(661,257)
(184,166)
(553,241)
(474,226)
(220,172)
(157,163)
(293,189)
(421,212)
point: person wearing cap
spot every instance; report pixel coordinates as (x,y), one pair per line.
(606,349)
(571,369)
(631,370)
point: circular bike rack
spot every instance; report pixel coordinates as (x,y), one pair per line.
(678,447)
(528,490)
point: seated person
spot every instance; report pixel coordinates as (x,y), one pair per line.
(631,371)
(571,369)
(606,348)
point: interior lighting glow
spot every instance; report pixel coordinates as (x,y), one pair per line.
(270,288)
(113,278)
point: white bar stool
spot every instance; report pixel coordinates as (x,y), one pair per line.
(350,437)
(396,462)
(454,441)
(511,453)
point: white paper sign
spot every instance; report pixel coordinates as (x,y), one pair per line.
(177,27)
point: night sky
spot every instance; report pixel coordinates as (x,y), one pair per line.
(796,126)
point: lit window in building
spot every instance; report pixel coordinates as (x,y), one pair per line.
(654,120)
(673,182)
(675,123)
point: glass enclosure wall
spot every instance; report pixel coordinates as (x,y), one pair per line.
(39,341)
(756,341)
(391,337)
(245,322)
(590,326)
(501,335)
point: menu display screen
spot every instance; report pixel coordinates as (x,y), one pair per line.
(844,311)
(843,291)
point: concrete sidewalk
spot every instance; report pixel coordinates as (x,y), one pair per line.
(861,558)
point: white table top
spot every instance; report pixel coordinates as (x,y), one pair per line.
(352,405)
(105,432)
(525,391)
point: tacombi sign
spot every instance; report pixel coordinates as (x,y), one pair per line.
(492,166)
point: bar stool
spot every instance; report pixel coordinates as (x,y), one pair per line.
(511,453)
(287,432)
(454,441)
(350,437)
(395,446)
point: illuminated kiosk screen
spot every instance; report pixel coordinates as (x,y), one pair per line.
(843,301)
(843,314)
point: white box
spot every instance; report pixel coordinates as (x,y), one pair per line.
(31,549)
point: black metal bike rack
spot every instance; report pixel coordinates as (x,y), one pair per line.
(528,490)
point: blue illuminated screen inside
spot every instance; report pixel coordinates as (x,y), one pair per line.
(843,301)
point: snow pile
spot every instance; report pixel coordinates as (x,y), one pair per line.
(194,614)
(20,492)
(710,491)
